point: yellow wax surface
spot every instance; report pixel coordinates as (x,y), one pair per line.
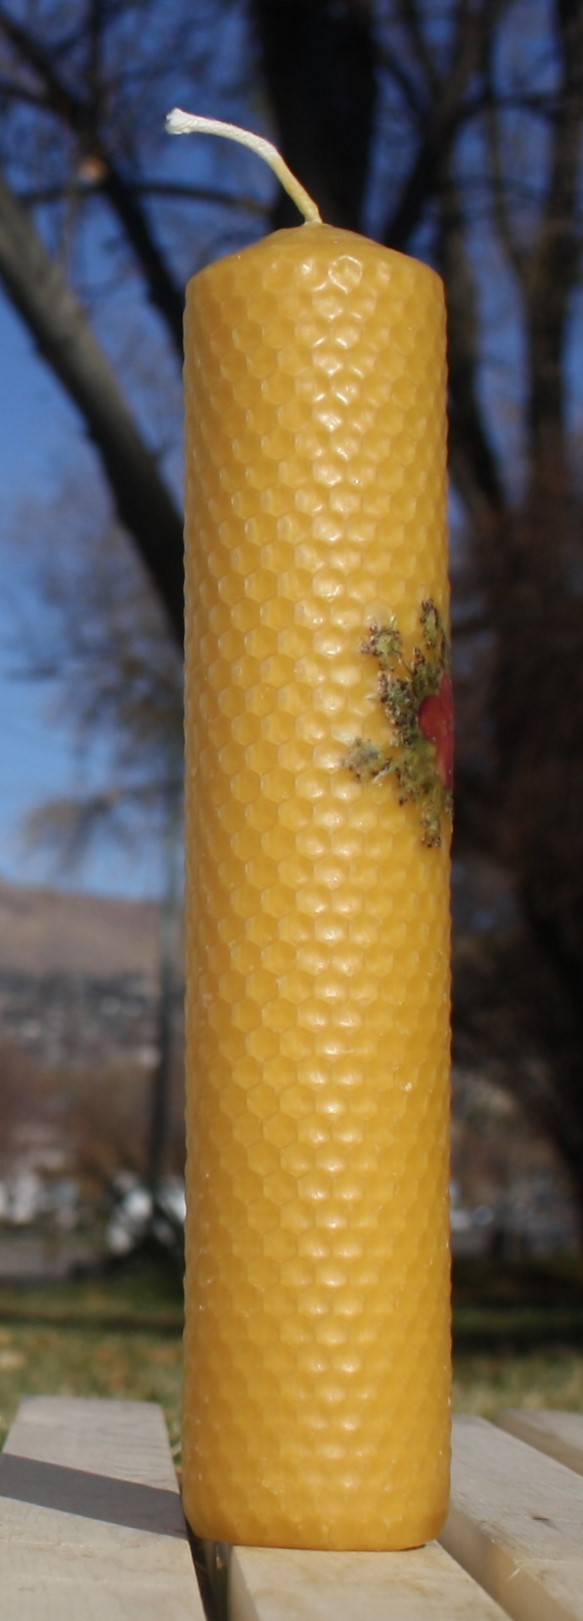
(317,1345)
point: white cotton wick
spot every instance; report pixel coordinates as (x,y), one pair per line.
(181,123)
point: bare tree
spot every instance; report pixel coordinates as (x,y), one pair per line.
(477,139)
(81,89)
(453,132)
(98,640)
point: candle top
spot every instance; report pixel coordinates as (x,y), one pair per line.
(319,255)
(351,245)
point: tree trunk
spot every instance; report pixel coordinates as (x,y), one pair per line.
(319,68)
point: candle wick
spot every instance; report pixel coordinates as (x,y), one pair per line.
(181,123)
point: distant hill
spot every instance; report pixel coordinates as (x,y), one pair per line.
(45,931)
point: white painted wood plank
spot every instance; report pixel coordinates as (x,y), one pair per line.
(516,1523)
(91,1527)
(557,1433)
(276,1584)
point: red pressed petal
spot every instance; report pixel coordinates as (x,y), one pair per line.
(436,723)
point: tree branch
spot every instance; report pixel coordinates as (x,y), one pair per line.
(474,461)
(448,111)
(408,11)
(555,259)
(172,190)
(56,319)
(81,116)
(499,190)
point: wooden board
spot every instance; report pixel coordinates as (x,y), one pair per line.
(91,1529)
(516,1523)
(557,1433)
(265,1584)
(91,1526)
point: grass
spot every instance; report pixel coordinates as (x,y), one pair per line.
(119,1334)
(518,1335)
(518,1339)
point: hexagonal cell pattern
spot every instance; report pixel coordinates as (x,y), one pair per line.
(317,1366)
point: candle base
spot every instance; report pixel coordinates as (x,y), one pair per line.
(414,1530)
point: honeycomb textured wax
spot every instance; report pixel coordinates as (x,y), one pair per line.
(317,1344)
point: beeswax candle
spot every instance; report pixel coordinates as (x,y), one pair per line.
(317,1346)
